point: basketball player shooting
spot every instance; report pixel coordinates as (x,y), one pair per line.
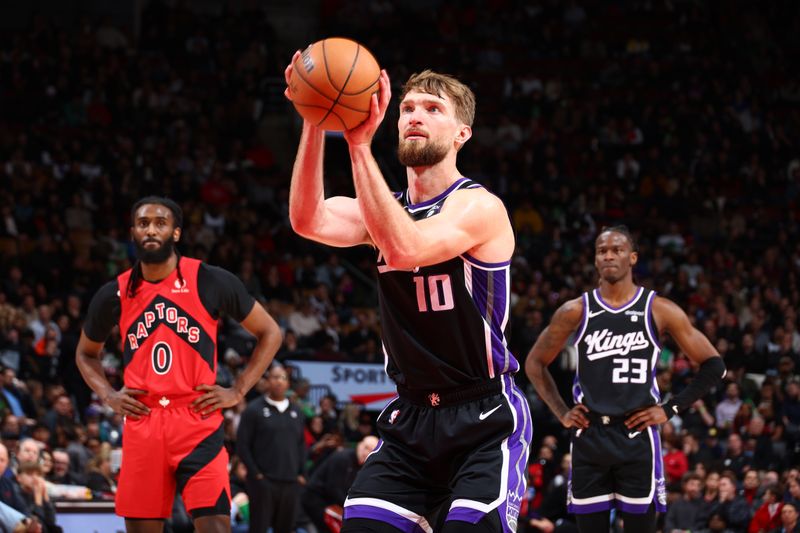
(617,327)
(454,443)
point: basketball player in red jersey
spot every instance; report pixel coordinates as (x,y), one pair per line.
(167,308)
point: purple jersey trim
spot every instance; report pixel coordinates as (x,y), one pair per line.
(436,198)
(382,515)
(584,319)
(650,323)
(620,308)
(576,508)
(484,264)
(465,514)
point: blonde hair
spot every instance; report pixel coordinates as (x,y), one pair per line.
(431,82)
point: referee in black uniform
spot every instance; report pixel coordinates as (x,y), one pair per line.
(616,447)
(270,443)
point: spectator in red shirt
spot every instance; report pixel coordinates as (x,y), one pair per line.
(675,462)
(768,515)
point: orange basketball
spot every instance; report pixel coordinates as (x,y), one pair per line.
(332,83)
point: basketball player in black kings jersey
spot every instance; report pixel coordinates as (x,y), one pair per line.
(454,444)
(616,452)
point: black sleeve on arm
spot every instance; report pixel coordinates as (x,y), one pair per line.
(710,374)
(103,312)
(223,293)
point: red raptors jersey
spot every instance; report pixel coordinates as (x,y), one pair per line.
(169,339)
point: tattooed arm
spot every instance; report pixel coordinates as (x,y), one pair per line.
(547,347)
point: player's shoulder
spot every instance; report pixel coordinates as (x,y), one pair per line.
(108,292)
(476,192)
(570,311)
(662,304)
(666,311)
(215,274)
(479,204)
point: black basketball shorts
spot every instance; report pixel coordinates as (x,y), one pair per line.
(615,468)
(450,459)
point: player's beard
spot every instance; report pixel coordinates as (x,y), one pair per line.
(159,255)
(421,153)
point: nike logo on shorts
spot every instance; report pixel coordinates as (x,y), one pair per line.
(484,416)
(632,434)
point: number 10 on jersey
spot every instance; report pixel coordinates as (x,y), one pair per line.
(436,288)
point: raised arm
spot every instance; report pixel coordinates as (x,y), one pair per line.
(336,221)
(551,341)
(471,219)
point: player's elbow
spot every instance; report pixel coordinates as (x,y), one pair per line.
(269,335)
(534,367)
(307,227)
(302,222)
(400,258)
(275,337)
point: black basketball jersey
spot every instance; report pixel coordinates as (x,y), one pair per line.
(442,325)
(617,353)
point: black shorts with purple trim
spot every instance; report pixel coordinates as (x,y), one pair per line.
(615,468)
(456,458)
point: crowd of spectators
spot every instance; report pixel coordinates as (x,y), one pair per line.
(679,118)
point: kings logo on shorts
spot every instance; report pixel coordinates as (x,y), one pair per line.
(512,509)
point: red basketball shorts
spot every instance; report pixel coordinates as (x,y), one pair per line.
(173,448)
